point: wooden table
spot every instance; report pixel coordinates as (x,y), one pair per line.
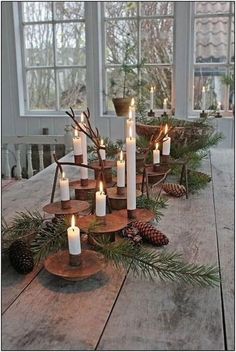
(114,310)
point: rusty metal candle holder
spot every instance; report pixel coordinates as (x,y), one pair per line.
(156,167)
(203,114)
(151,113)
(119,201)
(78,159)
(76,207)
(65,204)
(83,189)
(75,259)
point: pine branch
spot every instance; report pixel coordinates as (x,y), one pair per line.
(168,266)
(152,203)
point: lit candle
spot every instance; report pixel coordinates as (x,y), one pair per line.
(77,144)
(203,98)
(156,155)
(166,143)
(84,171)
(151,98)
(165,104)
(121,171)
(100,201)
(219,105)
(131,171)
(64,188)
(73,234)
(102,151)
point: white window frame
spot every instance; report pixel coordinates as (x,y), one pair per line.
(192,64)
(21,62)
(138,18)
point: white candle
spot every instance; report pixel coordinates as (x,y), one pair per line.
(165,104)
(84,171)
(132,107)
(102,151)
(73,234)
(156,155)
(77,144)
(131,171)
(129,124)
(219,105)
(151,98)
(166,143)
(64,188)
(121,171)
(100,201)
(203,98)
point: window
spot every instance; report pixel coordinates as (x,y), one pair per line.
(214,56)
(54,58)
(138,35)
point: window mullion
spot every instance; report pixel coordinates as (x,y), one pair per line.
(55,58)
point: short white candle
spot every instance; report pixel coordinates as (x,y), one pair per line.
(121,171)
(219,105)
(156,155)
(73,234)
(77,144)
(102,151)
(203,98)
(166,143)
(131,171)
(151,98)
(64,188)
(100,201)
(84,171)
(165,104)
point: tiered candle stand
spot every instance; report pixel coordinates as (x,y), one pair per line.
(82,192)
(119,201)
(74,207)
(59,264)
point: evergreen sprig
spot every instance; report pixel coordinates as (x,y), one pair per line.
(152,203)
(168,266)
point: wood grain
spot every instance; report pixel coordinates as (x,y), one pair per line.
(173,316)
(223,185)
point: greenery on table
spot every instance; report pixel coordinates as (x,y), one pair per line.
(153,203)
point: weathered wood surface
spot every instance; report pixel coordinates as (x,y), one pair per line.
(158,316)
(222,162)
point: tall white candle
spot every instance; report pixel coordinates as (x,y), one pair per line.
(102,152)
(131,171)
(156,155)
(165,104)
(151,98)
(77,144)
(129,124)
(64,187)
(166,143)
(73,234)
(100,201)
(203,98)
(121,171)
(219,105)
(84,171)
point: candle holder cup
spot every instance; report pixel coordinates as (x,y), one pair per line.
(65,204)
(164,114)
(151,113)
(165,159)
(131,213)
(156,167)
(203,114)
(101,220)
(84,182)
(78,159)
(75,259)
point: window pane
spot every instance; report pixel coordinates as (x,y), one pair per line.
(72,88)
(37,11)
(211,79)
(121,42)
(66,10)
(152,8)
(214,7)
(161,79)
(157,40)
(232,41)
(120,8)
(38,45)
(70,43)
(41,89)
(211,39)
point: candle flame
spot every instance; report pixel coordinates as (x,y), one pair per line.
(130,132)
(152,89)
(203,89)
(100,187)
(157,145)
(63,175)
(121,155)
(73,221)
(132,102)
(82,117)
(166,129)
(165,100)
(76,132)
(101,142)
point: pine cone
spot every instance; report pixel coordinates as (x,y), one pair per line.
(132,234)
(150,233)
(174,189)
(21,257)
